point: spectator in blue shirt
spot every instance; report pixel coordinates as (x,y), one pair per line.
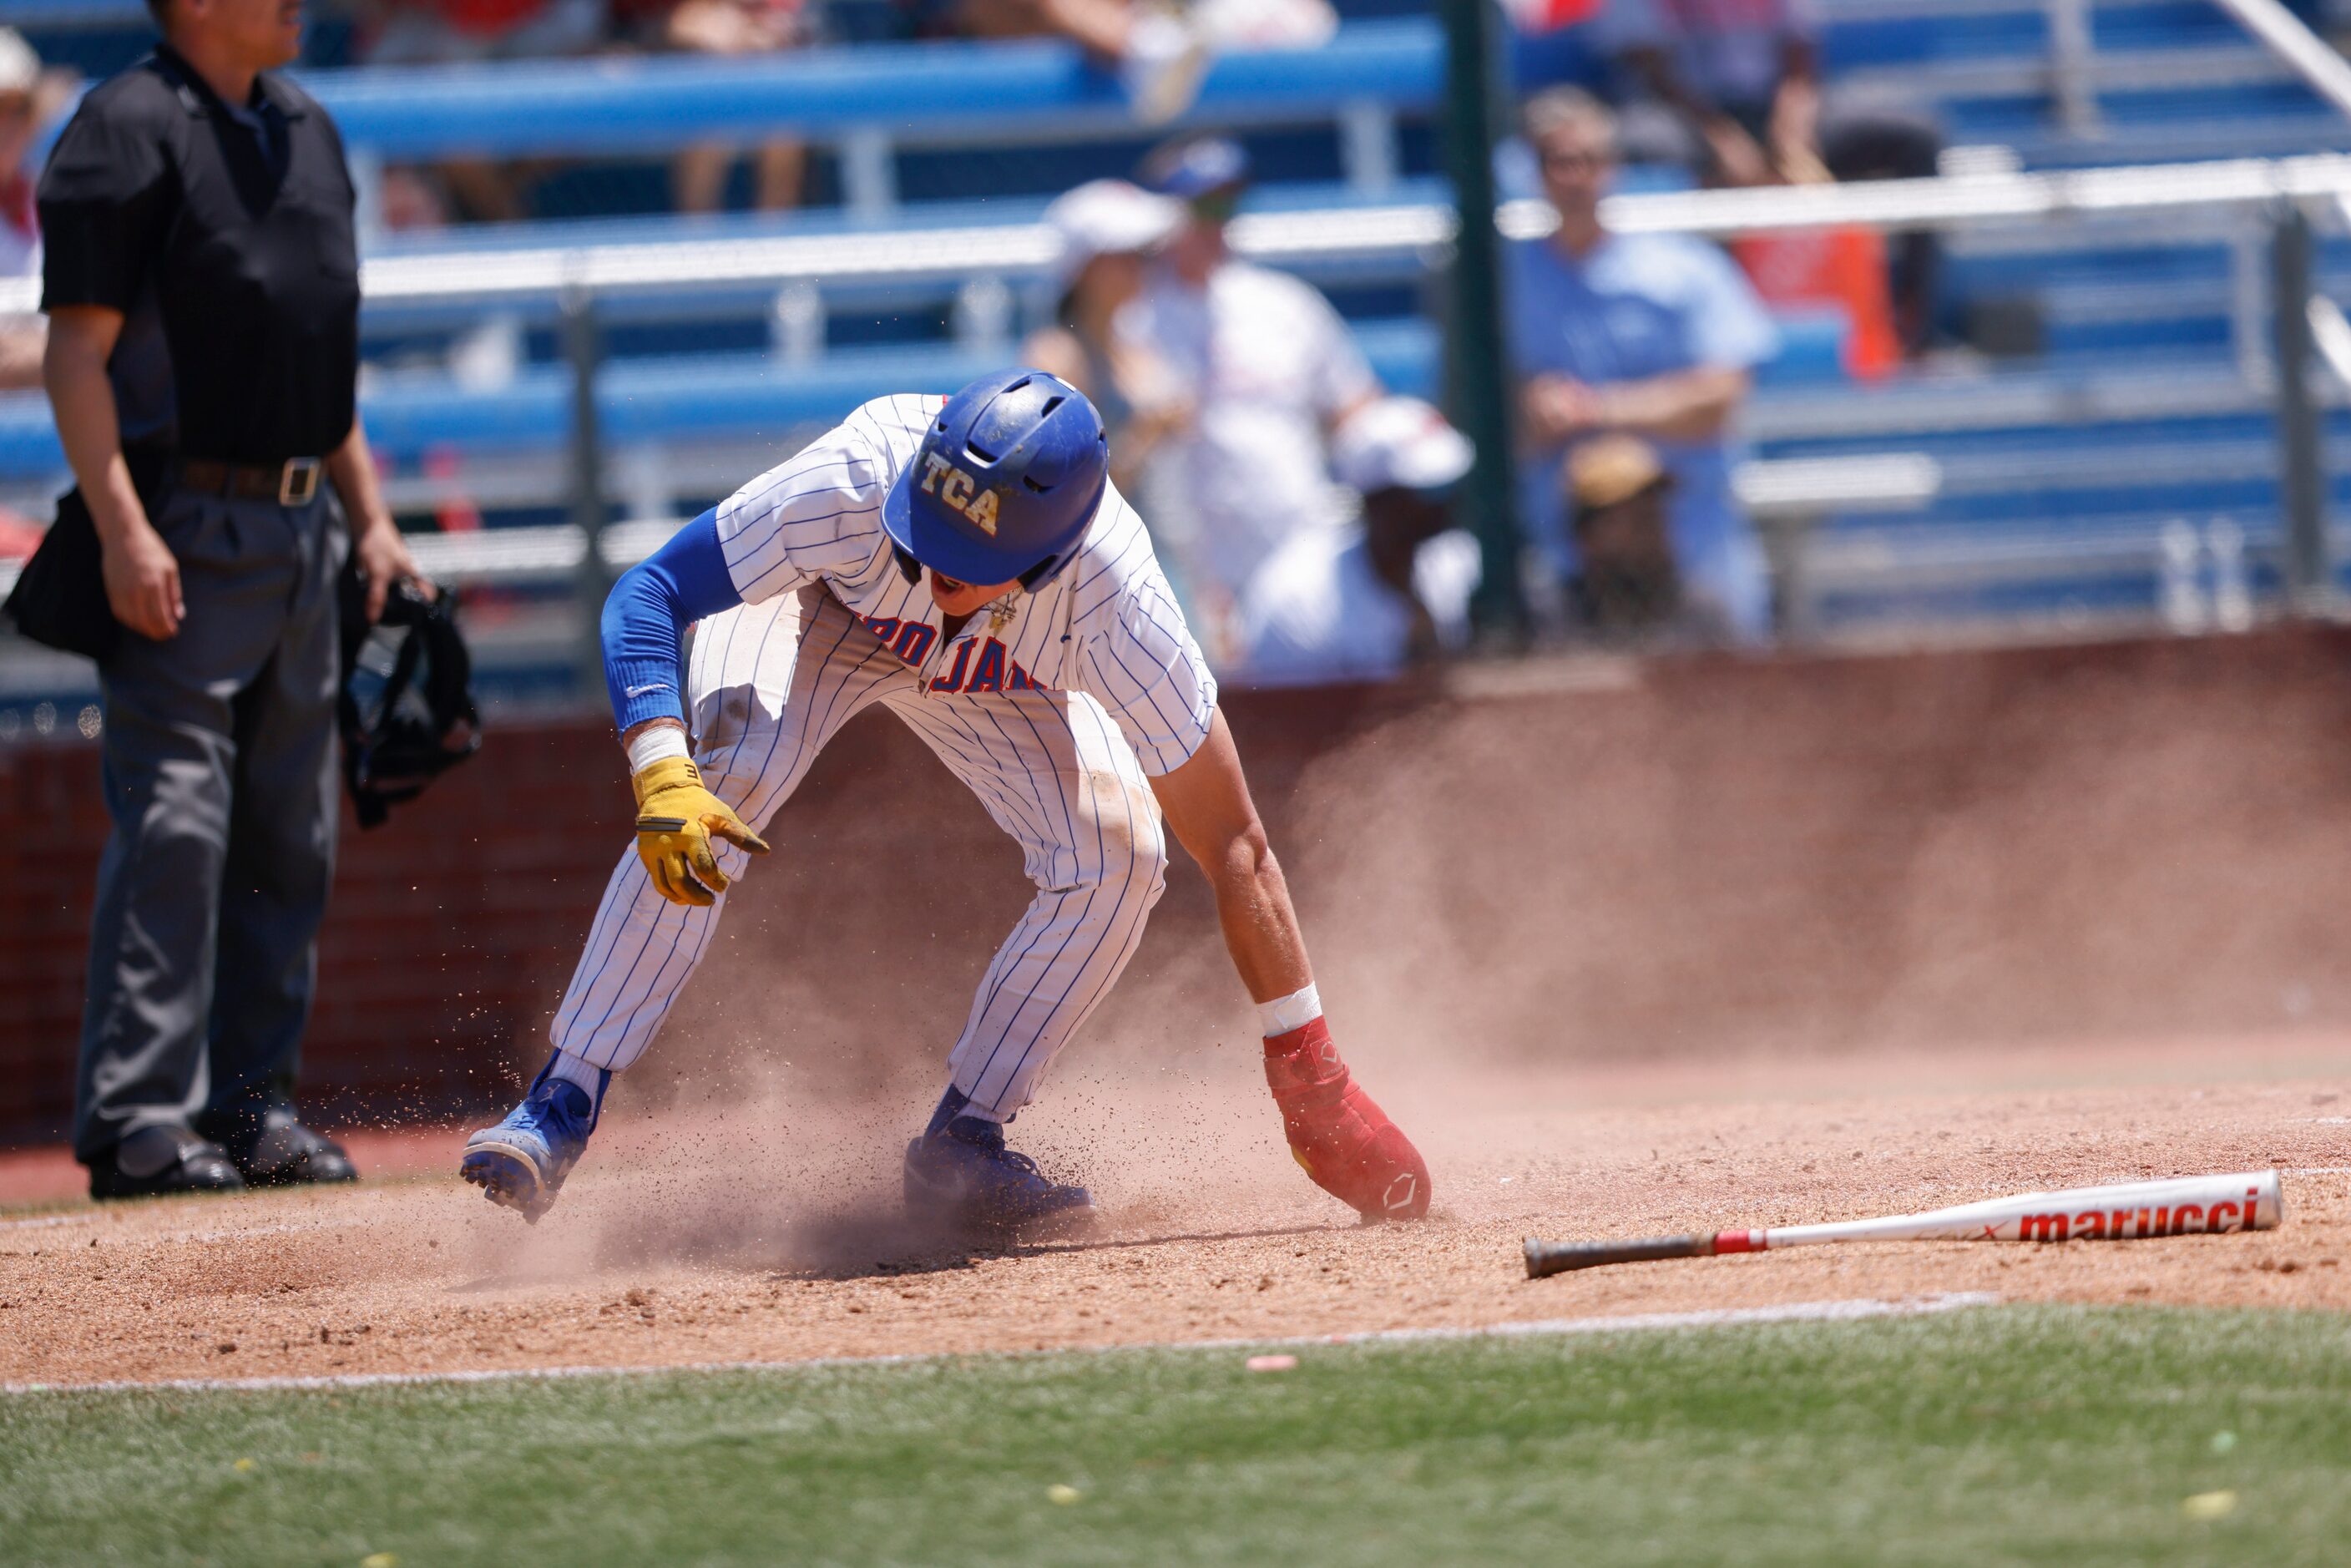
(1656,336)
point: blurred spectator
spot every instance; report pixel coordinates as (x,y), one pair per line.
(450,32)
(1269,372)
(1711,83)
(1649,335)
(1160,54)
(698,178)
(1366,601)
(1235,26)
(1160,58)
(410,201)
(445,32)
(29,98)
(19,534)
(1841,268)
(1536,16)
(1107,230)
(1628,586)
(1731,89)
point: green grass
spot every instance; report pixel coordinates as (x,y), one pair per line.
(2062,1435)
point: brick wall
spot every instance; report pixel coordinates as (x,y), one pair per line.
(48,802)
(1693,855)
(446,930)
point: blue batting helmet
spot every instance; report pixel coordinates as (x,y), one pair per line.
(1005,482)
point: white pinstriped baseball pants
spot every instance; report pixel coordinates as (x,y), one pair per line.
(769,684)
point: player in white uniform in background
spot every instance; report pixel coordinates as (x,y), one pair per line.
(1390,589)
(1269,372)
(967,564)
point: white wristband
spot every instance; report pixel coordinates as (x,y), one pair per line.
(653,743)
(1295,1010)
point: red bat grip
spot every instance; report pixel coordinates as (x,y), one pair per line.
(1547,1257)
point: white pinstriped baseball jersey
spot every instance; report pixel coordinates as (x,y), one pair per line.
(1053,715)
(1106,624)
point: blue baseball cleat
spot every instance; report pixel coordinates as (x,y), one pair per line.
(959,1174)
(522,1161)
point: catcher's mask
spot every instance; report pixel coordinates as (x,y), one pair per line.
(406,707)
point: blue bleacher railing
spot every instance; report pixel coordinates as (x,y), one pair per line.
(670,399)
(922,93)
(1043,92)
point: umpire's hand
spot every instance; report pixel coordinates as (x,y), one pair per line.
(383,557)
(143,576)
(142,579)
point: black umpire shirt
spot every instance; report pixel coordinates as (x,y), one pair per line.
(224,235)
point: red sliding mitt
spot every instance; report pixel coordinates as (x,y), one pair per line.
(1342,1140)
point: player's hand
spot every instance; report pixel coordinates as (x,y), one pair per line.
(143,581)
(676,819)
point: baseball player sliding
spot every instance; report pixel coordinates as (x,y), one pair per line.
(967,564)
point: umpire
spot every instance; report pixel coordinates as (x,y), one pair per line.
(202,283)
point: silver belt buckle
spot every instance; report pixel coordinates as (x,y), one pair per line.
(298,481)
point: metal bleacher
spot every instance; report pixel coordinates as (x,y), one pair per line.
(2064,469)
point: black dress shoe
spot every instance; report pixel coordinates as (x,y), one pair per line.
(271,1147)
(158,1160)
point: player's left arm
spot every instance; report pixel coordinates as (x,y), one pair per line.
(1208,806)
(1346,1144)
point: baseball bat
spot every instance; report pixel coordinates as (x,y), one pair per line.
(2182,1205)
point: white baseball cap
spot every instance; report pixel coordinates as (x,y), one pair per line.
(1399,442)
(1107,217)
(20,67)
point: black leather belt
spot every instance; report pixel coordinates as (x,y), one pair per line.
(292,483)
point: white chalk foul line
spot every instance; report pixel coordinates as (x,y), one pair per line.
(1852,1310)
(190,1238)
(41,1223)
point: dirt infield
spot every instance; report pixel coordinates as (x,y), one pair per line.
(772,1232)
(1697,945)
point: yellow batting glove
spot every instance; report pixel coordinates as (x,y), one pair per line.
(676,819)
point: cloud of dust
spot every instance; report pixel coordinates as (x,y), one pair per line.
(1720,861)
(1727,858)
(799,1185)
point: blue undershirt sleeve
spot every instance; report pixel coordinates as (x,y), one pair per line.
(647,614)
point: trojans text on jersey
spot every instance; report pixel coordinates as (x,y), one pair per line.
(981,664)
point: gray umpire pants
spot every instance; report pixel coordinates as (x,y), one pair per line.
(219,759)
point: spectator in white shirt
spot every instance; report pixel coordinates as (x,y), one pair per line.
(1270,371)
(1368,600)
(1107,232)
